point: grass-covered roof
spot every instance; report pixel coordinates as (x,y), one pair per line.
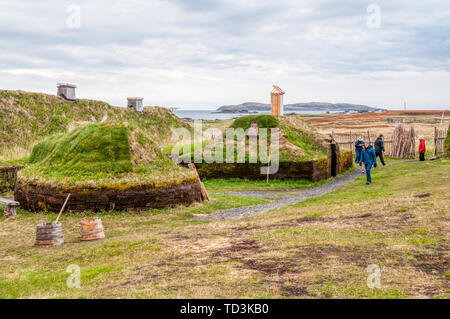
(101,155)
(298,141)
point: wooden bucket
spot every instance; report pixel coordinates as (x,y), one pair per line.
(92,229)
(49,234)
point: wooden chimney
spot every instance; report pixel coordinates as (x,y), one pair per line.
(276,101)
(67,91)
(136,103)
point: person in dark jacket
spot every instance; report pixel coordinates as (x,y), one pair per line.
(379,148)
(369,159)
(422,148)
(359,144)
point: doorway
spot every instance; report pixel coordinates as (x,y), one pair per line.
(334,160)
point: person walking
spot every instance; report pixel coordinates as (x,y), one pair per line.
(422,148)
(358,150)
(369,159)
(379,148)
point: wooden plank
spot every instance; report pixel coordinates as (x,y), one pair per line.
(202,187)
(62,208)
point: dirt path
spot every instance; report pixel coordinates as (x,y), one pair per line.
(291,197)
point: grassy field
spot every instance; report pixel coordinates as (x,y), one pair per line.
(237,184)
(423,122)
(319,248)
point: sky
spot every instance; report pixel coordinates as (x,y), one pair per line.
(201,54)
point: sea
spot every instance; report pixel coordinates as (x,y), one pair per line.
(211,115)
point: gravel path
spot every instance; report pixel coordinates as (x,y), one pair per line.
(292,197)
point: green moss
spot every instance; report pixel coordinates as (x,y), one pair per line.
(266,121)
(27,118)
(86,150)
(98,156)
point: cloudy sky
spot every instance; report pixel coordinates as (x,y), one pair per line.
(206,53)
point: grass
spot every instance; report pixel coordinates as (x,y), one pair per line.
(86,150)
(304,141)
(266,121)
(319,248)
(27,118)
(298,141)
(42,272)
(238,184)
(100,154)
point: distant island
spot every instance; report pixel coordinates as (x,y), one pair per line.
(310,106)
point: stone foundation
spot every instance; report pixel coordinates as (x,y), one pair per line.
(35,197)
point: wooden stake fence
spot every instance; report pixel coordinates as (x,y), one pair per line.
(347,141)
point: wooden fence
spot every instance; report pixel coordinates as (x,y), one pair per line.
(347,141)
(439,139)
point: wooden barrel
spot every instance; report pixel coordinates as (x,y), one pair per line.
(49,234)
(92,229)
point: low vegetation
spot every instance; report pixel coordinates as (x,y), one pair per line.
(267,121)
(298,141)
(239,184)
(103,154)
(27,118)
(319,248)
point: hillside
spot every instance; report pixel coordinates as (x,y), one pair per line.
(310,106)
(27,118)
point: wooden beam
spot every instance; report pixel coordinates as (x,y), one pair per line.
(202,186)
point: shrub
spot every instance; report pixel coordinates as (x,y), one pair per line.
(266,121)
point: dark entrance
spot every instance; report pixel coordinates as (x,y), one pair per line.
(334,160)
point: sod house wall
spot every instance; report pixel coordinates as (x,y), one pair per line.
(35,197)
(313,170)
(345,161)
(287,170)
(8,176)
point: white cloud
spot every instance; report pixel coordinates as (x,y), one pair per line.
(230,51)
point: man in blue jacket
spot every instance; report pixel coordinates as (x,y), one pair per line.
(368,159)
(358,150)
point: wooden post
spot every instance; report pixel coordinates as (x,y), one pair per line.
(202,187)
(368,136)
(9,211)
(435,141)
(62,208)
(351,142)
(268,167)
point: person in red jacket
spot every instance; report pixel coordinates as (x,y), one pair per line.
(422,148)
